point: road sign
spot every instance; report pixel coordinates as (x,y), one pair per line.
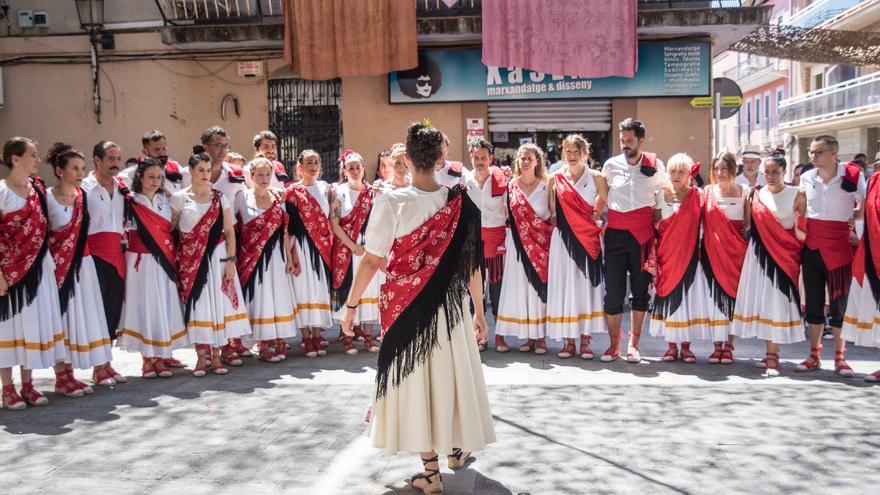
(702,102)
(731,96)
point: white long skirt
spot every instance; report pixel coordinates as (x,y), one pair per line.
(34,338)
(574,306)
(442,404)
(214,320)
(861,323)
(271,311)
(311,291)
(762,311)
(697,318)
(152,317)
(368,305)
(520,310)
(85,326)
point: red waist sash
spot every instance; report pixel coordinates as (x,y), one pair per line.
(639,222)
(494,249)
(108,247)
(832,240)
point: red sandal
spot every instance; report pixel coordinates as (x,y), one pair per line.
(873,377)
(281,349)
(671,354)
(840,365)
(715,357)
(240,348)
(173,363)
(369,345)
(162,370)
(686,355)
(812,363)
(540,347)
(148,368)
(65,384)
(102,377)
(11,400)
(310,350)
(569,349)
(586,353)
(348,346)
(266,353)
(727,354)
(771,364)
(118,378)
(204,357)
(229,357)
(217,365)
(319,346)
(32,396)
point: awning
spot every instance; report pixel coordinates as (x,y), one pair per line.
(819,46)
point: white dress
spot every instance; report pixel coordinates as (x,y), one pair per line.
(85,326)
(368,306)
(443,403)
(152,321)
(271,310)
(311,290)
(689,322)
(521,313)
(33,338)
(717,327)
(574,305)
(861,323)
(214,319)
(762,310)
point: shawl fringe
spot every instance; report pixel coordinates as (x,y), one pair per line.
(772,269)
(297,228)
(214,236)
(66,291)
(576,250)
(274,241)
(724,302)
(667,305)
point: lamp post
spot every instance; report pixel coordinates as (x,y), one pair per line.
(91,19)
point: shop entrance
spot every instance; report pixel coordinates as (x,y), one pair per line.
(546,123)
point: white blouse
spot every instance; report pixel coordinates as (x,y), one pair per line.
(160,205)
(733,208)
(191,212)
(781,204)
(9,200)
(398,213)
(59,215)
(540,201)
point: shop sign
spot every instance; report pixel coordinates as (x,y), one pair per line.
(674,68)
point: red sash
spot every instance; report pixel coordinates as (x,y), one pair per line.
(677,253)
(648,163)
(832,240)
(493,251)
(499,181)
(280,172)
(308,221)
(777,248)
(23,244)
(455,169)
(258,239)
(579,232)
(154,236)
(428,272)
(194,255)
(724,249)
(531,236)
(639,223)
(871,235)
(173,173)
(235,175)
(352,224)
(108,245)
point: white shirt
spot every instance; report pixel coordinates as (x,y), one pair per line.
(733,208)
(830,201)
(781,204)
(106,210)
(448,180)
(628,188)
(229,189)
(160,205)
(493,210)
(191,212)
(398,213)
(743,181)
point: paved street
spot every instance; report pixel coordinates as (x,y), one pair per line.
(564,426)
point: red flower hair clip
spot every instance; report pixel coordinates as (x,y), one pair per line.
(344,156)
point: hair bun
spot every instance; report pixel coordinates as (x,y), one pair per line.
(55,151)
(198,149)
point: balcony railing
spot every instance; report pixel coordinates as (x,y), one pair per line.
(849,97)
(217,11)
(820,11)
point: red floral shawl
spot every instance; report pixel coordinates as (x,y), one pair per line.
(257,240)
(23,243)
(579,232)
(308,222)
(194,255)
(154,234)
(427,273)
(353,225)
(68,246)
(531,236)
(723,254)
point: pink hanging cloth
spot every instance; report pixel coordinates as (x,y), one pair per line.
(582,38)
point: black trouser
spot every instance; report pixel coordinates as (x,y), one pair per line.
(494,295)
(624,255)
(112,293)
(815,275)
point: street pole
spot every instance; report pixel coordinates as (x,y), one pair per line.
(96,75)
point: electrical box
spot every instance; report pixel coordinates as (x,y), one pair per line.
(25,18)
(250,69)
(41,19)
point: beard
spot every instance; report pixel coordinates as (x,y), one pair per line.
(631,153)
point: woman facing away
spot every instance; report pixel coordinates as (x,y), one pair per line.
(430,393)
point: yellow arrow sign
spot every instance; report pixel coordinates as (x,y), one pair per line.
(702,102)
(726,101)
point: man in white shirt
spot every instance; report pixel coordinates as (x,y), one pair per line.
(633,177)
(452,172)
(226,178)
(155,145)
(751,175)
(106,207)
(266,144)
(835,196)
(486,187)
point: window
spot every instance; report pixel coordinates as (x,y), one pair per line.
(748,119)
(767,112)
(757,111)
(780,95)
